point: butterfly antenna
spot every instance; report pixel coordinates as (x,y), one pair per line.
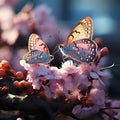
(111,66)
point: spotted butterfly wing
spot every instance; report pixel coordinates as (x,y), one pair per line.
(81,50)
(36,56)
(79,44)
(38,51)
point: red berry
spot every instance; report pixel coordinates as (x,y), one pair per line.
(19,75)
(5,64)
(2,73)
(24,86)
(5,88)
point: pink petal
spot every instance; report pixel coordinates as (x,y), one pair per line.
(94,75)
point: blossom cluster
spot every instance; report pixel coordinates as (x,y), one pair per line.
(39,20)
(83,85)
(16,26)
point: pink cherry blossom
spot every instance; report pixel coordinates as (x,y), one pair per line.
(21,22)
(44,21)
(54,89)
(95,101)
(84,112)
(97,97)
(85,83)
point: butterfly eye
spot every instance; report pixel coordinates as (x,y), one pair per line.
(61,45)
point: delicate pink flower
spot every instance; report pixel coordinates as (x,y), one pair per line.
(97,97)
(84,68)
(54,89)
(94,75)
(76,74)
(84,83)
(45,24)
(2,2)
(44,21)
(5,53)
(6,17)
(69,67)
(102,81)
(55,73)
(105,75)
(21,21)
(10,36)
(36,75)
(84,112)
(95,101)
(99,84)
(36,83)
(8,33)
(11,2)
(73,95)
(25,65)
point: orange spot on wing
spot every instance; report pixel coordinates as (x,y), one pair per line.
(69,40)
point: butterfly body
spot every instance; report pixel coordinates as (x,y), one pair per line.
(38,51)
(79,45)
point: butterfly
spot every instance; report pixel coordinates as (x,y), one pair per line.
(38,51)
(79,44)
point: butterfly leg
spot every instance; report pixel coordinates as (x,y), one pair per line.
(64,58)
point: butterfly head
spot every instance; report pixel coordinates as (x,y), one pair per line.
(60,45)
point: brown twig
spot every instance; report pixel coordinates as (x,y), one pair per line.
(110,116)
(27,104)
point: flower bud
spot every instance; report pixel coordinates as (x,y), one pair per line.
(19,75)
(104,51)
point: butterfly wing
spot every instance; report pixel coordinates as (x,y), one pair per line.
(36,43)
(83,30)
(36,56)
(81,50)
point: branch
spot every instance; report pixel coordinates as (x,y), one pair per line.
(108,114)
(27,104)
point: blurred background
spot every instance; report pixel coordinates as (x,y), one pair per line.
(53,20)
